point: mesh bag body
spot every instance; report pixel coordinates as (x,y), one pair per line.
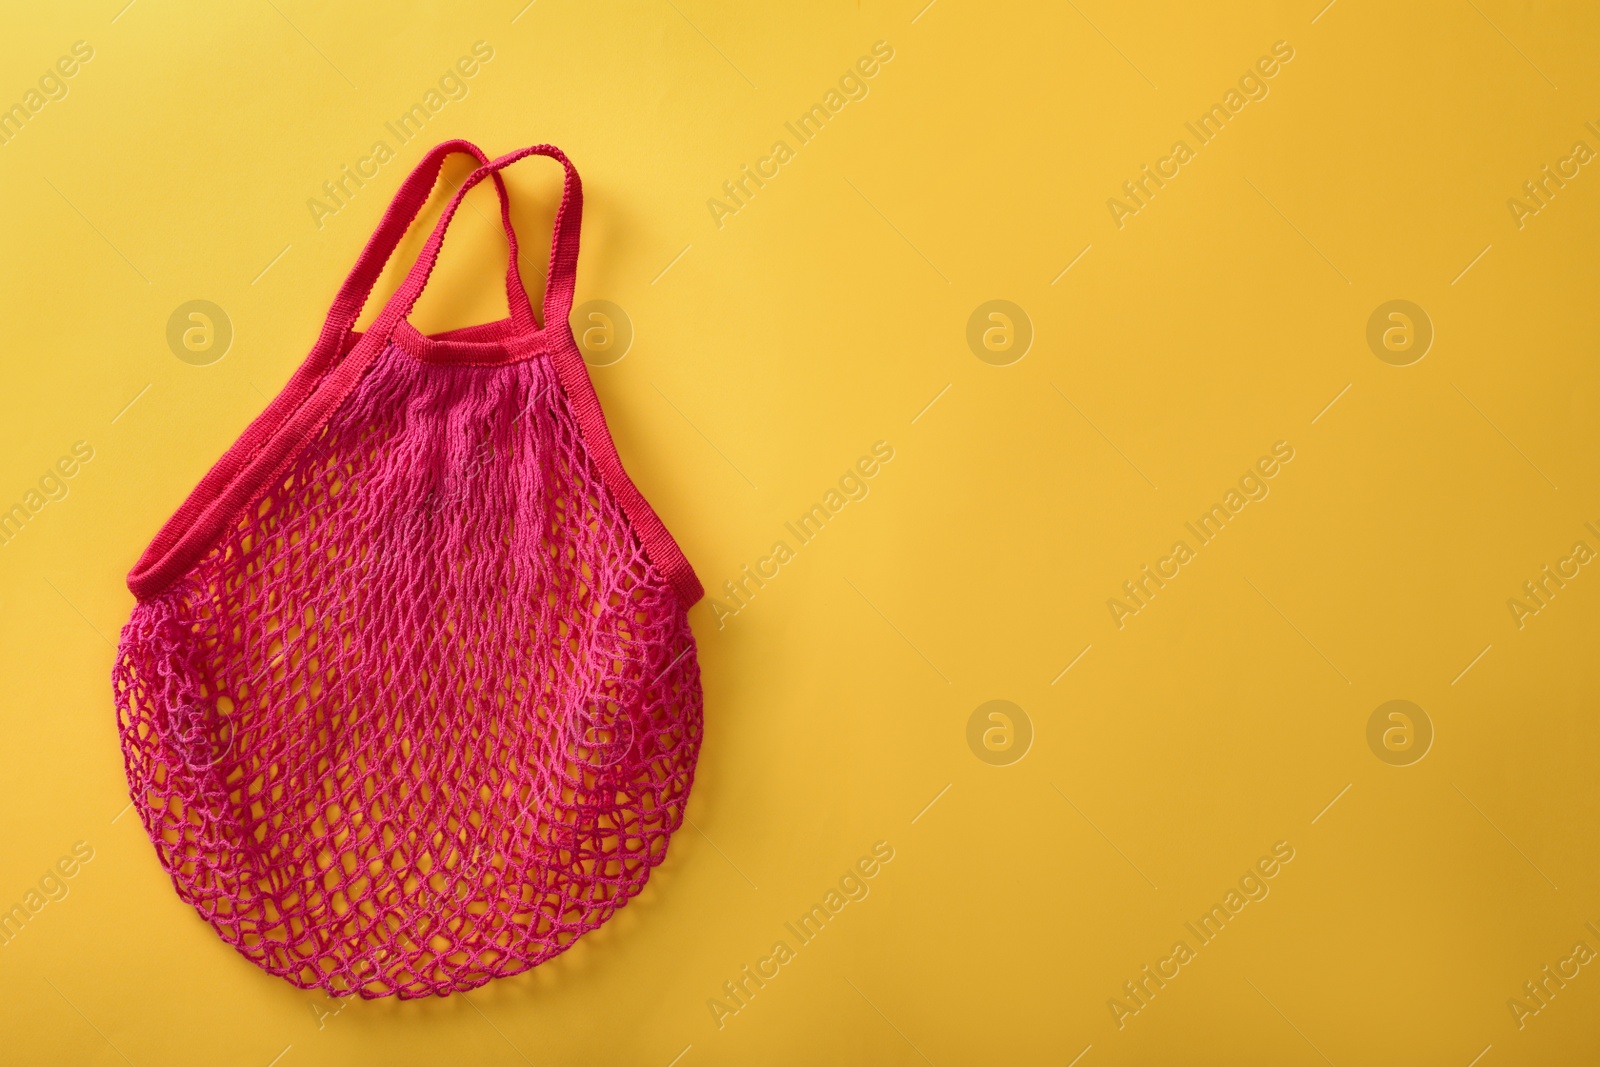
(409,699)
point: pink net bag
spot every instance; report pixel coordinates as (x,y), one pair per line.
(409,698)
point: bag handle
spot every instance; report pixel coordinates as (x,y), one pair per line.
(402,212)
(334,367)
(562,280)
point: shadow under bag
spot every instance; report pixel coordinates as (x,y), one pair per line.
(409,699)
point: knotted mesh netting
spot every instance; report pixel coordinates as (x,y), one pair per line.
(426,713)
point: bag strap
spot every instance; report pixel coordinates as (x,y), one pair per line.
(335,365)
(403,210)
(562,280)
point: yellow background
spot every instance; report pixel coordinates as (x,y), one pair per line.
(771,353)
